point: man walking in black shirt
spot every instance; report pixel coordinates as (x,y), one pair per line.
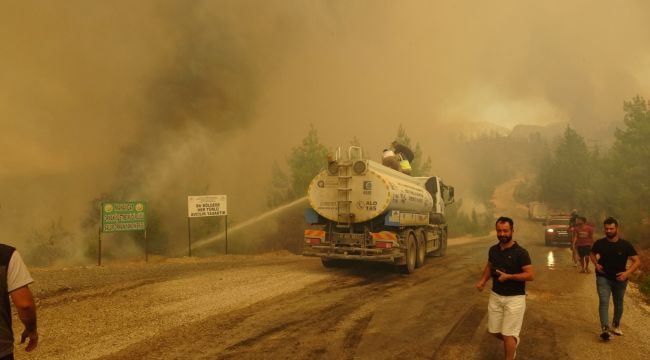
(610,255)
(510,267)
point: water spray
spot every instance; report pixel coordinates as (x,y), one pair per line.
(249,222)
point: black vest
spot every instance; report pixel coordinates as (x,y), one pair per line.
(6,331)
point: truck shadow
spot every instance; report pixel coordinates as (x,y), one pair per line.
(369,271)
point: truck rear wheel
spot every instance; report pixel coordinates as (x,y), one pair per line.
(421,250)
(410,256)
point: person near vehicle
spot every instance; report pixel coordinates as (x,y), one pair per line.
(610,256)
(574,218)
(572,227)
(403,150)
(395,161)
(583,239)
(405,155)
(14,281)
(388,158)
(510,267)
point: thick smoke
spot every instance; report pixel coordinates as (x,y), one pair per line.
(158,100)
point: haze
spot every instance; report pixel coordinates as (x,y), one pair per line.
(163,99)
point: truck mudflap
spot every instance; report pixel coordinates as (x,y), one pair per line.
(353,253)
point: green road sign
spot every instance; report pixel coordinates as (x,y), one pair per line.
(124,216)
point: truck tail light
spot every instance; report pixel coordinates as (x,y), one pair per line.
(384,244)
(314,236)
(312,241)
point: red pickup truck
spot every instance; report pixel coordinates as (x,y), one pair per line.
(558,230)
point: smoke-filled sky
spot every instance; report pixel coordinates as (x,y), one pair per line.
(140,99)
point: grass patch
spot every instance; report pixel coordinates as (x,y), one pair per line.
(644,279)
(644,286)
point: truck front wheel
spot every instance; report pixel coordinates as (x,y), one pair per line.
(442,249)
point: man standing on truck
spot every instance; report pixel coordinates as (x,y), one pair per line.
(388,158)
(406,156)
(510,267)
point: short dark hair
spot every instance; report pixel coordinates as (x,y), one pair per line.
(610,220)
(504,219)
(584,219)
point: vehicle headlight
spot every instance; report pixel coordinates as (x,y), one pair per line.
(549,230)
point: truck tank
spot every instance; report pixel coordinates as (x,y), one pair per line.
(363,190)
(362,210)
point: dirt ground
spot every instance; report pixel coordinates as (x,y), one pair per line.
(283,306)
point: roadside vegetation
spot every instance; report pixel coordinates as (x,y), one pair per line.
(600,183)
(644,279)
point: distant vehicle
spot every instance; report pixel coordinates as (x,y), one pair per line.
(537,211)
(364,211)
(557,230)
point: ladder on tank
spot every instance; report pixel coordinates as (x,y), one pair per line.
(344,192)
(344,189)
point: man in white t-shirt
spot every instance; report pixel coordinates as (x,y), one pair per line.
(14,284)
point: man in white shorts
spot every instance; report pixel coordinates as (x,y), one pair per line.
(510,267)
(14,281)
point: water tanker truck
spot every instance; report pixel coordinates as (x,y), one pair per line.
(363,210)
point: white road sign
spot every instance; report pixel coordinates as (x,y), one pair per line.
(206,205)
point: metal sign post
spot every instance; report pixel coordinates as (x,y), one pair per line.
(99,249)
(189,237)
(226,234)
(146,247)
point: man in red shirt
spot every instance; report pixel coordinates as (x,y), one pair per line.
(583,238)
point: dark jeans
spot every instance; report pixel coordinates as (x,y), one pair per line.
(606,288)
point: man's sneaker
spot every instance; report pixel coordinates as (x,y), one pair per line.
(605,334)
(616,330)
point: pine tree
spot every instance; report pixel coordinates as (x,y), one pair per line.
(305,162)
(565,178)
(278,192)
(627,169)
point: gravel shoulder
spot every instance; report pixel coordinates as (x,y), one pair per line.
(86,313)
